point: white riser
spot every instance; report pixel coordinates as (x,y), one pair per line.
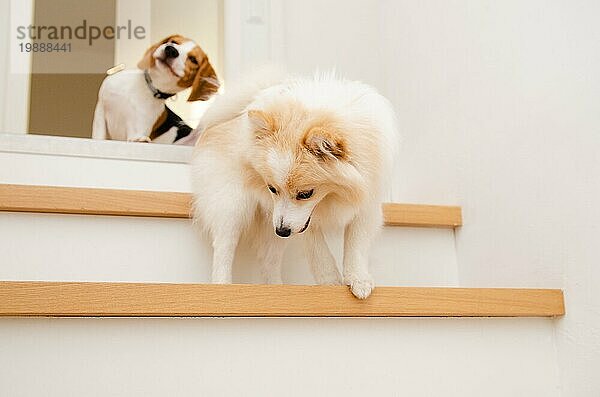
(35,169)
(277,357)
(106,248)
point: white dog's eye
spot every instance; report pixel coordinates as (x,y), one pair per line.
(272,189)
(305,195)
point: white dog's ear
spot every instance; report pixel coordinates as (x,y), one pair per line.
(147,60)
(325,144)
(263,123)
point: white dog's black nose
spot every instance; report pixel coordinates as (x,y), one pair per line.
(171,52)
(283,231)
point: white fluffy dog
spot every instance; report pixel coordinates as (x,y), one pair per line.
(295,156)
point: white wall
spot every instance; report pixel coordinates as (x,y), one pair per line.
(14,67)
(499,103)
(340,35)
(501,106)
(129,52)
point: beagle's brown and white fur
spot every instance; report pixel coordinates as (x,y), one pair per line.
(131,103)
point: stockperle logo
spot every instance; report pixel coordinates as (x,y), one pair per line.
(84,31)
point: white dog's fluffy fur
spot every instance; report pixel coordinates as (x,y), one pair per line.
(278,158)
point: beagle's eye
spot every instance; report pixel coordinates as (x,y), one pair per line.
(193,60)
(305,195)
(272,189)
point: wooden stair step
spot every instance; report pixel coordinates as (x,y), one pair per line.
(101,299)
(88,201)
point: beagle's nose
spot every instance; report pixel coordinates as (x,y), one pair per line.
(171,52)
(283,231)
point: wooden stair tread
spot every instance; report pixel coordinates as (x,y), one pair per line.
(102,299)
(91,201)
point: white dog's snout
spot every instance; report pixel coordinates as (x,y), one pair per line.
(282,229)
(290,217)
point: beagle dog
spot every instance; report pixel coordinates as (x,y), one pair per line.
(131,103)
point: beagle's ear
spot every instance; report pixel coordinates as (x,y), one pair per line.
(326,144)
(147,60)
(206,83)
(264,124)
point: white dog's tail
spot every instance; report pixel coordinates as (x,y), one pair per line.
(239,95)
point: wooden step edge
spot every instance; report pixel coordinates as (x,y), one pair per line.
(88,201)
(98,299)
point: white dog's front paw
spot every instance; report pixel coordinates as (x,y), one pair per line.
(361,287)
